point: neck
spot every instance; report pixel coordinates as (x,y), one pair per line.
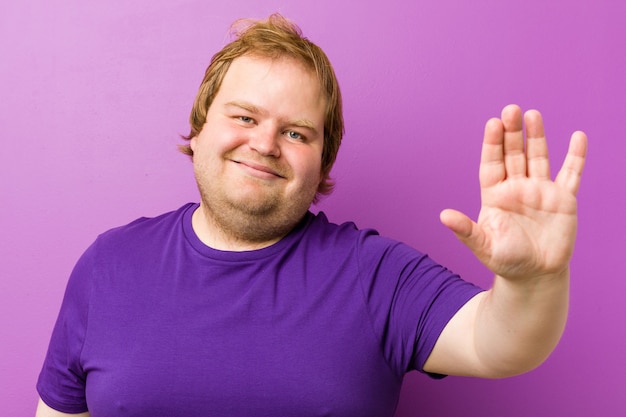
(238,237)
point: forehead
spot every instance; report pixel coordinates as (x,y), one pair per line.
(258,66)
(252,57)
(278,83)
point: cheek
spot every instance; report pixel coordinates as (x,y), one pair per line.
(222,138)
(309,167)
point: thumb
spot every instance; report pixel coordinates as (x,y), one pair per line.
(466,230)
(458,222)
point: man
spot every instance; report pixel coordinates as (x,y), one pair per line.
(248,304)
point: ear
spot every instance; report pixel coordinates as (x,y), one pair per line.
(192,143)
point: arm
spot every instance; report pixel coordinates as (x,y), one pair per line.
(43,410)
(525,234)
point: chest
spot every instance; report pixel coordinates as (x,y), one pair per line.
(254,346)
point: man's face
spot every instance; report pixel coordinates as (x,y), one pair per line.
(258,157)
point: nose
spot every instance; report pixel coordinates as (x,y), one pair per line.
(264,140)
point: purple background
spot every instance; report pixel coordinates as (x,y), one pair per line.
(93,96)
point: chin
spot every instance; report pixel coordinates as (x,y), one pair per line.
(256,203)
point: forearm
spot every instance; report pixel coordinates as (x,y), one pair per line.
(518,323)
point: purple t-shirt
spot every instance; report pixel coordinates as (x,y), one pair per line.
(323,323)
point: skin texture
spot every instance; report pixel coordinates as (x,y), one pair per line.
(525,234)
(257,159)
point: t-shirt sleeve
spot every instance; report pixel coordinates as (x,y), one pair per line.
(61,383)
(411,298)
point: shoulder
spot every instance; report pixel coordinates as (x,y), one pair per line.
(144,227)
(318,226)
(366,243)
(319,232)
(144,235)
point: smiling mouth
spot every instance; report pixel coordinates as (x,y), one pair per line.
(259,170)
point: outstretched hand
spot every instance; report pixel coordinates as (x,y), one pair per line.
(527,222)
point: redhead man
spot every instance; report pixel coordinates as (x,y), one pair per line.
(246,303)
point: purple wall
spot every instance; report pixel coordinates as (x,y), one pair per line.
(94,94)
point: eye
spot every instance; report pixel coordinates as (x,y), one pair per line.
(294,135)
(246,119)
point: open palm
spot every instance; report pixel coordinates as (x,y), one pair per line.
(527,222)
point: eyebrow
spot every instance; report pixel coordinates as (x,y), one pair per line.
(246,106)
(304,123)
